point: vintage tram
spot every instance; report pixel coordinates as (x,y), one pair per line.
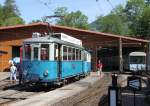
(53,58)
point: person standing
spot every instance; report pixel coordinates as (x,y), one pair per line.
(99,66)
(13,72)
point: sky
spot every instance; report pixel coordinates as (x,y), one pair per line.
(36,9)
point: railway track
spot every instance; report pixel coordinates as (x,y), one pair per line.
(13,95)
(12,92)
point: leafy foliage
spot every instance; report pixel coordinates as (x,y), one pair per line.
(115,22)
(10,14)
(109,24)
(36,21)
(133,19)
(133,10)
(1,14)
(73,19)
(144,23)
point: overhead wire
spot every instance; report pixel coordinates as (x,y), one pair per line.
(110,4)
(97,1)
(99,6)
(44,3)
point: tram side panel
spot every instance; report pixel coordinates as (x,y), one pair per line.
(71,68)
(87,62)
(43,71)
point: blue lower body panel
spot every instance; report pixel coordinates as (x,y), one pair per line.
(44,71)
(47,71)
(71,68)
(87,67)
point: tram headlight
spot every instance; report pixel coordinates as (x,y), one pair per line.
(45,74)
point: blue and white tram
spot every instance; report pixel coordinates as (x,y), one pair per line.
(137,61)
(54,58)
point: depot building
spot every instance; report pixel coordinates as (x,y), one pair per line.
(109,48)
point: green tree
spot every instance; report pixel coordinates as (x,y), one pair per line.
(144,24)
(1,14)
(111,23)
(133,10)
(36,21)
(74,19)
(13,21)
(147,2)
(133,19)
(10,14)
(10,9)
(115,22)
(61,11)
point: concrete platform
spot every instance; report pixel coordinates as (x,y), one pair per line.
(72,91)
(4,75)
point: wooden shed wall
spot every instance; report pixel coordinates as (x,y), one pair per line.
(6,46)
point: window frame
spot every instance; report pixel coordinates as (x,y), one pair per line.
(47,51)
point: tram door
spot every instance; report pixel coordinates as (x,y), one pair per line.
(57,57)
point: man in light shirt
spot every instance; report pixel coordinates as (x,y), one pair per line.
(13,72)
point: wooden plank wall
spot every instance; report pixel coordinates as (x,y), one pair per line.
(6,46)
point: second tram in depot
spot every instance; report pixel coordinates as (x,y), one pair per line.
(54,58)
(136,61)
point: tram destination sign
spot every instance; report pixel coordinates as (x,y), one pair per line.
(134,83)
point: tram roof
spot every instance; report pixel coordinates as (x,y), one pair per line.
(137,54)
(48,39)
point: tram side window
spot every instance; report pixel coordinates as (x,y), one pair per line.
(73,54)
(44,51)
(27,51)
(56,52)
(64,53)
(84,56)
(35,50)
(70,53)
(77,54)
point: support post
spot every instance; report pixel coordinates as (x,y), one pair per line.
(96,57)
(94,61)
(148,57)
(120,56)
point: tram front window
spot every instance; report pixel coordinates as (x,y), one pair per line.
(137,59)
(35,50)
(44,51)
(27,49)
